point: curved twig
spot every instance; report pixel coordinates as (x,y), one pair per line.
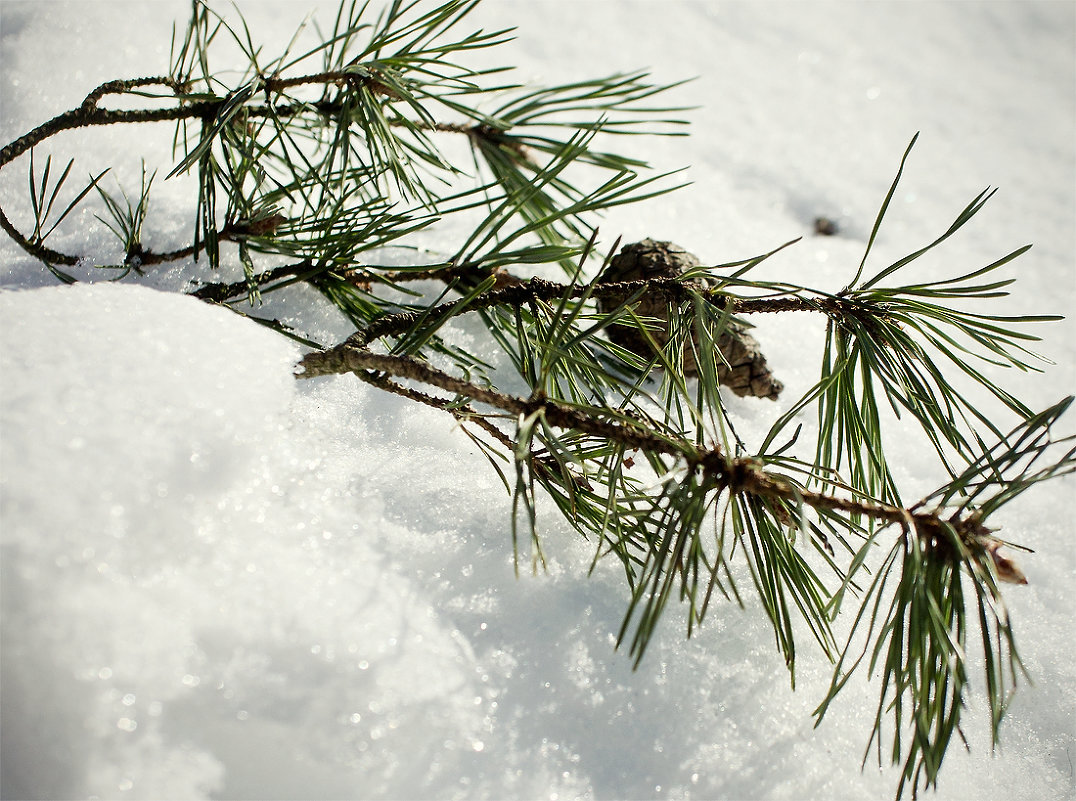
(743,474)
(90,114)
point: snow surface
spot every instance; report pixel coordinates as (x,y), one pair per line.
(219,582)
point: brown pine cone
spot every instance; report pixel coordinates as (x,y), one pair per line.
(743,369)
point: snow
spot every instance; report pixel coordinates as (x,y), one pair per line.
(219,582)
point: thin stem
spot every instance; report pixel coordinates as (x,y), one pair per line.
(220,292)
(465,414)
(518,293)
(348,358)
(738,475)
(35,249)
(89,114)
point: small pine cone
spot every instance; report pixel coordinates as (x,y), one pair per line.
(743,369)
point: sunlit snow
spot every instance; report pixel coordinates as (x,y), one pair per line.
(219,582)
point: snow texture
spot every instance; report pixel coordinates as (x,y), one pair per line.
(219,582)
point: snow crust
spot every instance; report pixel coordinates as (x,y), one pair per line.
(218,582)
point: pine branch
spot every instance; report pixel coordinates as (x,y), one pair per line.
(737,475)
(322,158)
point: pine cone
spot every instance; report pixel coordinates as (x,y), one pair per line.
(743,369)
